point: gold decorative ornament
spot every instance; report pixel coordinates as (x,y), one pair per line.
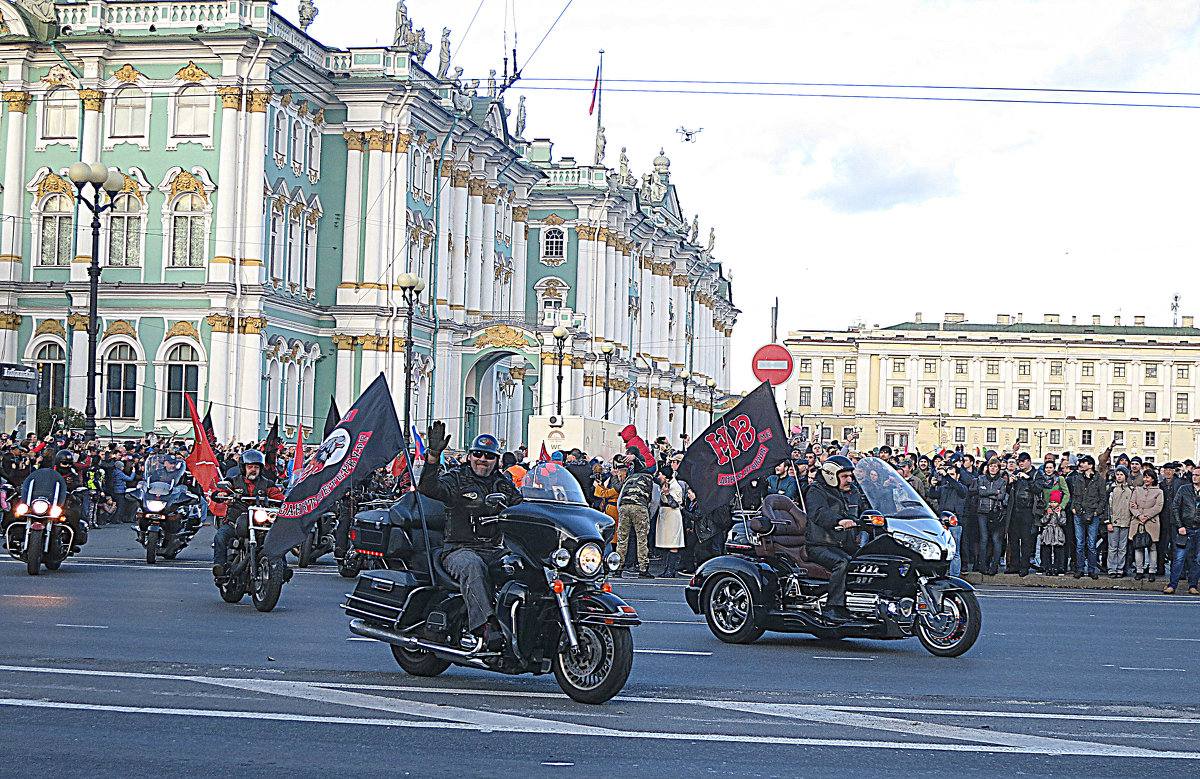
(252,325)
(459,178)
(193,73)
(520,213)
(10,321)
(354,140)
(286,98)
(343,343)
(120,327)
(475,187)
(374,139)
(231,97)
(93,99)
(220,323)
(186,329)
(186,182)
(127,74)
(51,326)
(302,109)
(18,102)
(490,194)
(53,184)
(58,75)
(585,232)
(257,100)
(319,117)
(501,337)
(553,220)
(77,321)
(517,373)
(402,141)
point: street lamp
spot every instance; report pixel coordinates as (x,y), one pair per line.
(787,412)
(686,376)
(101,177)
(607,349)
(411,285)
(1040,435)
(560,339)
(712,388)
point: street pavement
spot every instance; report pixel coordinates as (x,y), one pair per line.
(110,667)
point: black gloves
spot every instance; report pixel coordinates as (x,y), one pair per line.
(437,440)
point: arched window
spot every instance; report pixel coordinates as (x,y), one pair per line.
(183,377)
(429,175)
(273,250)
(298,150)
(57,230)
(314,154)
(128,113)
(51,363)
(554,244)
(188,233)
(60,114)
(281,138)
(125,242)
(416,174)
(192,111)
(121,385)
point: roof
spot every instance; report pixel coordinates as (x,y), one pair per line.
(1036,327)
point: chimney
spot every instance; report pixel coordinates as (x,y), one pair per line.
(1187,321)
(1020,318)
(1049,319)
(1116,321)
(1002,319)
(953,318)
(541,150)
(917,318)
(1072,320)
(1140,321)
(1095,319)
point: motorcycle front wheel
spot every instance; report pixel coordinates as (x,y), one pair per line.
(418,662)
(954,631)
(151,547)
(33,552)
(266,587)
(599,669)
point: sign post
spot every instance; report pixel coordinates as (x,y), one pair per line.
(772,364)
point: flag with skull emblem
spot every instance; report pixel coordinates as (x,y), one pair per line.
(367,437)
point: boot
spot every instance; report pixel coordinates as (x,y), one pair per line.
(672,561)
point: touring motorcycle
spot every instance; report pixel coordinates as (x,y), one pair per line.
(897,583)
(556,609)
(39,534)
(249,569)
(168,516)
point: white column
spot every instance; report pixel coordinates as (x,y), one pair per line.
(443,242)
(487,258)
(224,230)
(89,151)
(520,258)
(343,391)
(475,244)
(576,384)
(12,224)
(78,373)
(585,297)
(352,225)
(252,214)
(249,383)
(220,372)
(458,237)
(377,219)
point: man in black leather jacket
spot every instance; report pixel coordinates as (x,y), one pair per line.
(469,549)
(828,506)
(250,484)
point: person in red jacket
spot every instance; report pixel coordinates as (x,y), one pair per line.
(635,445)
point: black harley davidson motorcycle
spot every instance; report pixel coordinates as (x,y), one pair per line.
(897,585)
(39,533)
(556,610)
(168,515)
(249,569)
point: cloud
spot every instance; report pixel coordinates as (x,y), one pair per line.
(870,179)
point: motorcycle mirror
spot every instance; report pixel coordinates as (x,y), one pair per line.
(873,517)
(224,485)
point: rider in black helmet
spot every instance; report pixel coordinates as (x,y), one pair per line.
(831,520)
(251,483)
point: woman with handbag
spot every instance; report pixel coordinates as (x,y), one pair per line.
(669,533)
(1145,506)
(1119,520)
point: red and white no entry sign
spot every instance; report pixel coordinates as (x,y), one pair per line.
(772,363)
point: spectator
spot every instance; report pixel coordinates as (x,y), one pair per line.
(669,533)
(1186,539)
(1170,485)
(1120,496)
(633,516)
(783,482)
(1053,536)
(1025,503)
(1146,505)
(1088,509)
(992,489)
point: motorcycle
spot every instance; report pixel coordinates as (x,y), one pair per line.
(369,541)
(249,569)
(897,582)
(318,542)
(40,534)
(552,599)
(168,516)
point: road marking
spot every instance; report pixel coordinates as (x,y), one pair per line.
(90,627)
(672,622)
(558,728)
(360,638)
(1179,670)
(39,597)
(830,657)
(1179,639)
(671,652)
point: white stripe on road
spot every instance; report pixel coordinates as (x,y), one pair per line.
(1179,670)
(1179,639)
(555,728)
(671,652)
(90,627)
(831,657)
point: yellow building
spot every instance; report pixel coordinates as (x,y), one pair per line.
(1051,386)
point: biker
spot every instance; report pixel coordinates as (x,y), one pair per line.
(251,483)
(829,508)
(469,549)
(64,463)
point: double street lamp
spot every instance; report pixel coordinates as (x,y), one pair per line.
(687,377)
(560,340)
(109,180)
(712,388)
(608,350)
(411,285)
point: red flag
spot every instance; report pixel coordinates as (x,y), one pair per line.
(400,471)
(595,93)
(544,457)
(298,457)
(202,462)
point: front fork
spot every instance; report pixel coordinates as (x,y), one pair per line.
(564,610)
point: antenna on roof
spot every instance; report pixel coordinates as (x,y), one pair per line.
(1175,310)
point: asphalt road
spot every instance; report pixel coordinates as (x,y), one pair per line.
(110,667)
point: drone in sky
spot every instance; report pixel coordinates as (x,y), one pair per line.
(688,136)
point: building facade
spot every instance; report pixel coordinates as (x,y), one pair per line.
(1052,386)
(276,188)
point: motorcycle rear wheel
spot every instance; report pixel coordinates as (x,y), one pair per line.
(346,570)
(151,547)
(305,556)
(958,628)
(33,552)
(729,610)
(599,670)
(231,592)
(418,662)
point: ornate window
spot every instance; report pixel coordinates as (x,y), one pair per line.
(1085,437)
(189,233)
(121,383)
(193,112)
(429,175)
(128,113)
(125,232)
(183,377)
(1056,400)
(51,364)
(57,230)
(281,138)
(298,144)
(416,174)
(274,247)
(990,436)
(554,244)
(60,114)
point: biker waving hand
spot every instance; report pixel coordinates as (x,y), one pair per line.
(251,483)
(830,522)
(470,549)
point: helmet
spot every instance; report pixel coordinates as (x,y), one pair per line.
(64,460)
(486,443)
(251,457)
(832,467)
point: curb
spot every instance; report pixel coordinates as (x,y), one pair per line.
(1069,582)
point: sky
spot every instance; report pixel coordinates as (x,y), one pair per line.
(864,209)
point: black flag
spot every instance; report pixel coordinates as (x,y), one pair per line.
(332,418)
(367,437)
(743,442)
(207,424)
(271,447)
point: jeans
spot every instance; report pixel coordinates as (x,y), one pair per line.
(1188,555)
(992,529)
(1118,538)
(221,540)
(956,563)
(1144,559)
(1020,542)
(469,568)
(837,561)
(1087,533)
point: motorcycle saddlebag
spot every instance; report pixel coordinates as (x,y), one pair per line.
(379,596)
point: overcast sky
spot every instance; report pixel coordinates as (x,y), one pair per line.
(875,209)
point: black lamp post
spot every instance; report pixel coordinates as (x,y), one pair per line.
(788,413)
(560,340)
(686,376)
(712,388)
(101,177)
(411,285)
(607,349)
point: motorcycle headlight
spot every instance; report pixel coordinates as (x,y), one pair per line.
(21,510)
(560,557)
(261,517)
(40,506)
(589,558)
(155,506)
(613,561)
(927,549)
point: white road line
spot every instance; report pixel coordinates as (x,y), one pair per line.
(555,728)
(90,627)
(831,657)
(37,597)
(671,652)
(672,622)
(1179,639)
(360,638)
(1179,670)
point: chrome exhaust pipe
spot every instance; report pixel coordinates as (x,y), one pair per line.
(362,628)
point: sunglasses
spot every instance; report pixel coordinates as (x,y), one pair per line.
(485,455)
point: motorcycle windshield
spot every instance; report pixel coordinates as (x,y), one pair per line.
(552,482)
(44,484)
(163,472)
(888,493)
